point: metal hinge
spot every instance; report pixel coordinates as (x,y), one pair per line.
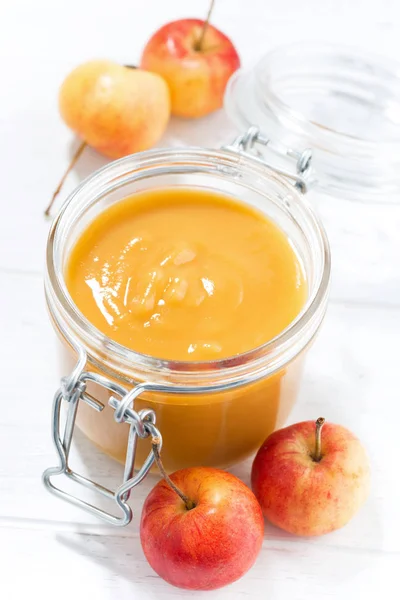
(247,144)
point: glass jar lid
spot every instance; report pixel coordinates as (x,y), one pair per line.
(341,103)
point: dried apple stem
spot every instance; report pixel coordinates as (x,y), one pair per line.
(199,45)
(155,443)
(319,423)
(71,165)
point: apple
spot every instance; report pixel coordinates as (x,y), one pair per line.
(196,60)
(207,536)
(311,481)
(115,109)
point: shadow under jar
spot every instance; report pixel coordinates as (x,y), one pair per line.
(210,413)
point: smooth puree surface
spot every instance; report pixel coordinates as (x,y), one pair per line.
(186,274)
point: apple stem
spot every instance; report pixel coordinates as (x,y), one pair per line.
(319,423)
(74,160)
(199,45)
(155,443)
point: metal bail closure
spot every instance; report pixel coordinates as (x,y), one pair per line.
(247,144)
(142,424)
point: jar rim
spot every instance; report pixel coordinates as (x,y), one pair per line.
(229,370)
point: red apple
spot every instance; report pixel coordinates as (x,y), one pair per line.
(196,75)
(308,481)
(210,544)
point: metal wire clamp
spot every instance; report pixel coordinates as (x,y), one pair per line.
(249,144)
(142,424)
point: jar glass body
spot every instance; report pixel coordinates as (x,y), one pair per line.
(213,413)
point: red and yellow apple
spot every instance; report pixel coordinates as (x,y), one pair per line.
(196,68)
(309,480)
(115,109)
(211,543)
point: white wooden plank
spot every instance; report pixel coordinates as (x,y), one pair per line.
(70,564)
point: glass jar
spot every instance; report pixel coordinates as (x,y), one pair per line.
(208,413)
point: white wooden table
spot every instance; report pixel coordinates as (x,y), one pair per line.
(50,549)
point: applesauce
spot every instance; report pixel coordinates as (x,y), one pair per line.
(201,279)
(186,274)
